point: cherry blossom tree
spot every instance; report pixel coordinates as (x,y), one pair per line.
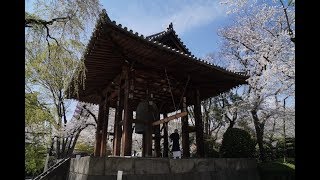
(66,138)
(55,38)
(260,42)
(56,20)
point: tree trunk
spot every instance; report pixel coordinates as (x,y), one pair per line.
(74,142)
(231,124)
(58,148)
(46,163)
(259,127)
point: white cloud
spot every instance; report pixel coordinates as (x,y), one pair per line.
(151,18)
(196,15)
(29,5)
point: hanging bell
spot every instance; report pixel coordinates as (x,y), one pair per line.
(146,113)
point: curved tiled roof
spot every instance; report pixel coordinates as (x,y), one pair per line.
(104,18)
(128,39)
(168,32)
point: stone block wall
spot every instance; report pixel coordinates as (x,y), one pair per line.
(96,168)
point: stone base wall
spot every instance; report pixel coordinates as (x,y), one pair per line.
(97,168)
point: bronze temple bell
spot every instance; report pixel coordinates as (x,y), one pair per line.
(147,112)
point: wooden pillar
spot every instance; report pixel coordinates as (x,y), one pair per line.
(143,144)
(97,146)
(147,137)
(126,143)
(199,125)
(117,126)
(185,132)
(104,129)
(157,138)
(165,137)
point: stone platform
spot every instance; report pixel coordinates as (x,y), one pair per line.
(97,168)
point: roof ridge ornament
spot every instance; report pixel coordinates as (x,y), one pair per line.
(170,26)
(104,15)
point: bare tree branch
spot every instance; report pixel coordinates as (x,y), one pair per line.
(93,115)
(287,19)
(29,22)
(232,39)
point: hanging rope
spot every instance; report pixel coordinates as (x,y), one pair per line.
(174,104)
(184,89)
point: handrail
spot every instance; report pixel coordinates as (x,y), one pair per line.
(49,170)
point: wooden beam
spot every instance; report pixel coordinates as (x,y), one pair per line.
(165,137)
(167,119)
(104,130)
(126,142)
(199,125)
(185,133)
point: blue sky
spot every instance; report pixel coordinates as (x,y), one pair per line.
(195,22)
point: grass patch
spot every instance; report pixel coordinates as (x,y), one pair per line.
(292,166)
(276,166)
(275,170)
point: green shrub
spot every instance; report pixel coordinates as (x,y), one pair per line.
(35,155)
(209,147)
(270,151)
(237,143)
(290,148)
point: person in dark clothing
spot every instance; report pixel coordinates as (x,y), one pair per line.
(175,144)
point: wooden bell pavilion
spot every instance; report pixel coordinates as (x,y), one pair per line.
(151,75)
